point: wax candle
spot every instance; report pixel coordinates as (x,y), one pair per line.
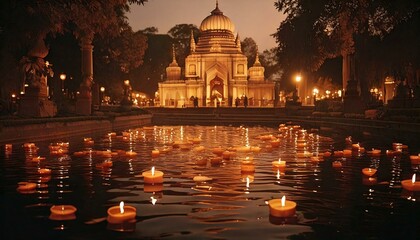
(215,160)
(247,166)
(338,154)
(374,152)
(326,154)
(153,176)
(44,171)
(63,209)
(199,149)
(415,159)
(63,212)
(122,213)
(337,164)
(347,153)
(411,184)
(255,149)
(355,146)
(130,153)
(275,143)
(26,186)
(37,159)
(282,208)
(369,172)
(202,179)
(201,161)
(279,163)
(155,153)
(8,147)
(218,151)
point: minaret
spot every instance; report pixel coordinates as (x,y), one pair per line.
(173,72)
(192,42)
(238,43)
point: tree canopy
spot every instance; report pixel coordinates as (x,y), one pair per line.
(318,30)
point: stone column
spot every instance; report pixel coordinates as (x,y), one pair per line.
(84,99)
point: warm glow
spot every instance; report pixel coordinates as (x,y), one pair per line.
(153,171)
(283,201)
(413,180)
(298,78)
(13,95)
(154,200)
(63,76)
(280,161)
(247,181)
(127,82)
(278,174)
(121,207)
(315,91)
(102,89)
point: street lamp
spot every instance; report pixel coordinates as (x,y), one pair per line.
(102,89)
(298,78)
(63,78)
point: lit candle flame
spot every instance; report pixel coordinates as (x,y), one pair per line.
(121,207)
(283,201)
(247,182)
(413,180)
(62,208)
(154,200)
(279,160)
(153,171)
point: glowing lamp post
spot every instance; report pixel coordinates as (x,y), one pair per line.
(298,78)
(63,78)
(315,92)
(102,89)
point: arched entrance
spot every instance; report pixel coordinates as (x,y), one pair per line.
(216,90)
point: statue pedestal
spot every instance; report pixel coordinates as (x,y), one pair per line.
(84,106)
(352,102)
(35,103)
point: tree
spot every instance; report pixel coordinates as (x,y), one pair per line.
(181,35)
(249,49)
(269,61)
(336,28)
(26,24)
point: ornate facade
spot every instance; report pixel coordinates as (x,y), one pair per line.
(215,71)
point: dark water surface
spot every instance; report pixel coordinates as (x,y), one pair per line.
(332,203)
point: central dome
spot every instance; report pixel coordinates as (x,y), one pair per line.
(217,22)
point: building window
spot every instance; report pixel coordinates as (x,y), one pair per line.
(192,70)
(240,69)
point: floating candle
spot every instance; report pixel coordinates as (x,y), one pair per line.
(155,153)
(44,171)
(279,163)
(247,166)
(202,179)
(369,172)
(347,153)
(63,212)
(275,143)
(337,164)
(130,153)
(218,151)
(374,152)
(26,186)
(215,160)
(411,184)
(415,159)
(153,176)
(63,209)
(8,147)
(282,208)
(122,213)
(37,159)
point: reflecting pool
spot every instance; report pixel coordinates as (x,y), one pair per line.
(217,181)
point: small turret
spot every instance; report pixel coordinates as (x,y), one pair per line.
(173,72)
